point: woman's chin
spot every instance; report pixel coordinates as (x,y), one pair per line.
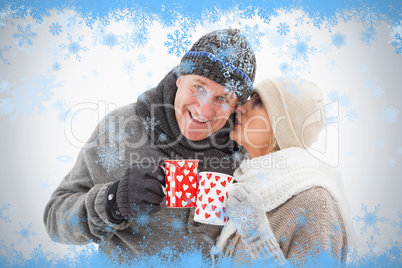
(231,135)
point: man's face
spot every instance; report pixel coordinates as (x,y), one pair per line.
(202,106)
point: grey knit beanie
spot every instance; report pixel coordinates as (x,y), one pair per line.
(224,56)
(295,108)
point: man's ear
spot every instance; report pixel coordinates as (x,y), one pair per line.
(178,81)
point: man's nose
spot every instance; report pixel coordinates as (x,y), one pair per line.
(206,109)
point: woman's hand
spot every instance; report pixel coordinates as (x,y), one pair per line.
(245,210)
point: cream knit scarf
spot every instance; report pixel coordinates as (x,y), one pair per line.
(278,176)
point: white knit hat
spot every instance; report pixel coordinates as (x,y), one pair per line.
(295,108)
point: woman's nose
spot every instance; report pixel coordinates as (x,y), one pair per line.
(240,109)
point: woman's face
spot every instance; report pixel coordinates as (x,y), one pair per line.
(252,128)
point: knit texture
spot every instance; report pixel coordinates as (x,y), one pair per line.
(280,176)
(224,56)
(82,192)
(245,211)
(124,203)
(140,190)
(295,241)
(295,108)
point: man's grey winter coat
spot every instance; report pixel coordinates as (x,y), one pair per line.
(76,211)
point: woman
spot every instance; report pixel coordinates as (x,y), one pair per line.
(286,204)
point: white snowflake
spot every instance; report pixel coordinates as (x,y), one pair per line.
(187,66)
(56,66)
(203,95)
(398,224)
(150,123)
(5,49)
(336,227)
(370,17)
(338,40)
(390,115)
(177,43)
(253,36)
(370,219)
(141,58)
(351,115)
(396,37)
(282,28)
(63,108)
(140,37)
(24,35)
(235,88)
(276,40)
(126,42)
(368,36)
(137,18)
(46,185)
(325,48)
(143,244)
(30,96)
(378,92)
(243,216)
(162,137)
(6,14)
(2,217)
(177,224)
(4,85)
(55,28)
(227,52)
(97,36)
(64,158)
(54,53)
(110,40)
(302,220)
(142,219)
(109,157)
(186,24)
(129,66)
(285,68)
(73,48)
(300,49)
(25,233)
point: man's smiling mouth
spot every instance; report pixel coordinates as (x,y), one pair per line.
(198,119)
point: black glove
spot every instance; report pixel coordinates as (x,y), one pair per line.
(139,190)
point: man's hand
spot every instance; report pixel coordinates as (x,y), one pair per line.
(140,190)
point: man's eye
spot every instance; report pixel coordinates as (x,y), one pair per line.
(199,88)
(221,98)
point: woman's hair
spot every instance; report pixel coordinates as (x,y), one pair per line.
(275,146)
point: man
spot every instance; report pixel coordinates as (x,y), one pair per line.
(114,195)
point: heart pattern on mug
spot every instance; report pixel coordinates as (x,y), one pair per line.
(181,185)
(211,197)
(208,193)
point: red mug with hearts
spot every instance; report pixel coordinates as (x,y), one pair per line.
(211,198)
(181,183)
